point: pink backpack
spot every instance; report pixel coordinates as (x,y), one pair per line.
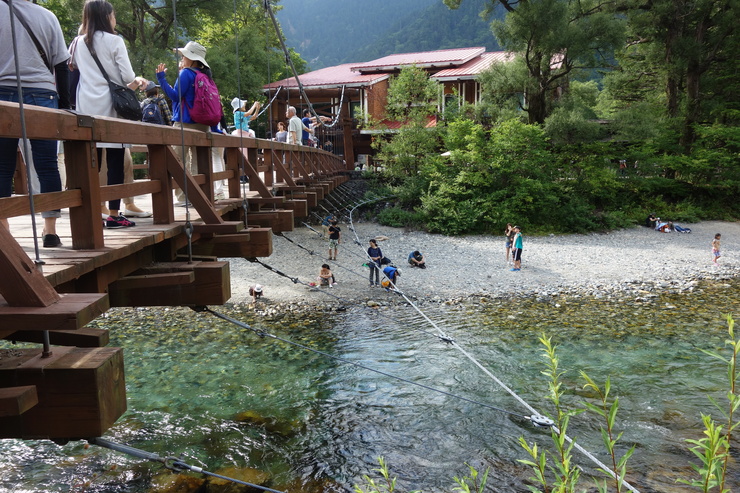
(207,107)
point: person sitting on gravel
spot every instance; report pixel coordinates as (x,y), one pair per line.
(651,220)
(255,292)
(326,278)
(416,259)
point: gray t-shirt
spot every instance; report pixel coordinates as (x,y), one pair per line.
(44,24)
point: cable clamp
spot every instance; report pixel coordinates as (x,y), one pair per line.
(173,464)
(447,339)
(261,333)
(541,421)
(294,279)
(199,308)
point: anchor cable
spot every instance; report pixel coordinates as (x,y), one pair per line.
(172,463)
(537,418)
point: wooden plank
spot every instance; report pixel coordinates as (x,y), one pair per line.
(84,337)
(112,192)
(21,283)
(211,286)
(223,228)
(15,401)
(18,205)
(254,242)
(298,206)
(154,280)
(71,312)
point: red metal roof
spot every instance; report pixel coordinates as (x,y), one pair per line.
(330,77)
(424,59)
(474,67)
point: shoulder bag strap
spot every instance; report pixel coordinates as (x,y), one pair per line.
(35,40)
(100,65)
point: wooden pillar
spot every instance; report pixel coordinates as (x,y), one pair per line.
(159,170)
(349,150)
(81,162)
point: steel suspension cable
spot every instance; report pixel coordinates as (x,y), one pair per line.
(24,136)
(188,224)
(171,463)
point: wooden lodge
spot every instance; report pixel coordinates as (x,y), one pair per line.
(360,90)
(76,388)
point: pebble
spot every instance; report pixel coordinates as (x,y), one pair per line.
(634,264)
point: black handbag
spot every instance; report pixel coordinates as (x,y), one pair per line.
(125,101)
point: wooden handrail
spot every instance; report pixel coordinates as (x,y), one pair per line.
(81,132)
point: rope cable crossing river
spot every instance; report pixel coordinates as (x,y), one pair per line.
(536,418)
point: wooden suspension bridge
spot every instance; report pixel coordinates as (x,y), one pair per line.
(73,385)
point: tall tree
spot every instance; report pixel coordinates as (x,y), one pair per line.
(412,100)
(680,42)
(554,39)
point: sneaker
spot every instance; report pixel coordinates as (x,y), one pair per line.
(118,222)
(52,241)
(130,213)
(183,204)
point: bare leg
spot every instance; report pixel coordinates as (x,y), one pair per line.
(50,225)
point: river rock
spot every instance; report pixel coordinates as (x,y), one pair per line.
(170,482)
(246,474)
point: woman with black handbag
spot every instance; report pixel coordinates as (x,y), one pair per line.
(102,59)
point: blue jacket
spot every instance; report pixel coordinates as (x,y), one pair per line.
(186,81)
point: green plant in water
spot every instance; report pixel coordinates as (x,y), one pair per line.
(566,474)
(609,413)
(387,485)
(713,449)
(473,483)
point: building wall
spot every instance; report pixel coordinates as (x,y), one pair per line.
(377,99)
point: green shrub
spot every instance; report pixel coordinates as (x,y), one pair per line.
(398,218)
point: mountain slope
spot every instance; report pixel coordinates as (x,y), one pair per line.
(330,32)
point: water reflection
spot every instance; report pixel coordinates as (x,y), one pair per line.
(223,396)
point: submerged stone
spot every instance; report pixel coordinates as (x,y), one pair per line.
(246,474)
(271,423)
(169,482)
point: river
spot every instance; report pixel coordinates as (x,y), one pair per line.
(219,395)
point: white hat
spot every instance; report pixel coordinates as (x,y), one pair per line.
(237,103)
(398,272)
(194,51)
(257,288)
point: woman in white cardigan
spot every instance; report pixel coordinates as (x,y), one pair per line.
(97,34)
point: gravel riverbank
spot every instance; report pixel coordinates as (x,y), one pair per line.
(631,262)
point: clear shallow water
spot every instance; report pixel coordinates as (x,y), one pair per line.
(189,376)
